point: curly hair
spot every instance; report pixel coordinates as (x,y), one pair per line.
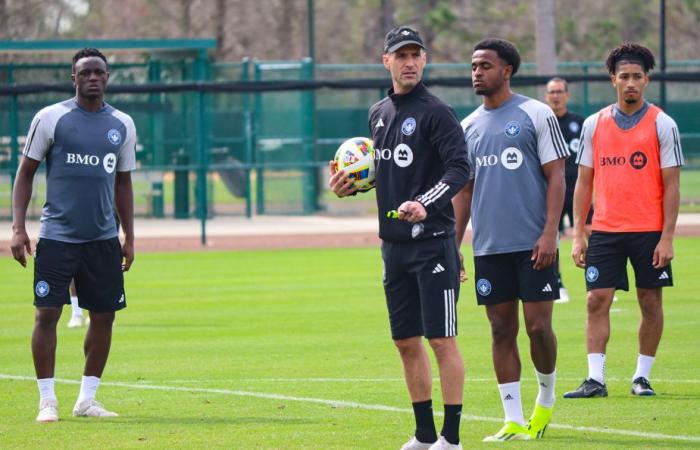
(87,53)
(504,49)
(630,52)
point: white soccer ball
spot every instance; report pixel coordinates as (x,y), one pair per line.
(356,157)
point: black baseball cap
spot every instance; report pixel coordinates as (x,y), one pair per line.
(400,36)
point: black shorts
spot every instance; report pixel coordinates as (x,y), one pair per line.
(95,266)
(421,284)
(606,261)
(508,276)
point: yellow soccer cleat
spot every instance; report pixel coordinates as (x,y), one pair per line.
(511,431)
(539,420)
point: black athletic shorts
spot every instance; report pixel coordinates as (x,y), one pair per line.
(421,284)
(508,276)
(606,261)
(96,267)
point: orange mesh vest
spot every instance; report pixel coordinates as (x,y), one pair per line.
(627,182)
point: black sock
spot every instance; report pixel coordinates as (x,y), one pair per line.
(425,425)
(450,429)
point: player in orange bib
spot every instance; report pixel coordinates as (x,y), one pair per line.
(630,157)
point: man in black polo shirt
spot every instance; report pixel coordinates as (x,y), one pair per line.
(557,97)
(421,163)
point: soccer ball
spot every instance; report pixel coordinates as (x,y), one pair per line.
(356,157)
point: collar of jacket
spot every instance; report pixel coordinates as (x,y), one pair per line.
(415,92)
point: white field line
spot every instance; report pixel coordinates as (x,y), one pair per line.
(398,380)
(364,406)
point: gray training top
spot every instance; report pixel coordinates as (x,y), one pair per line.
(507,148)
(82,151)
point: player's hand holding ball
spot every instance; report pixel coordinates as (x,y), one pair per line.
(340,182)
(352,169)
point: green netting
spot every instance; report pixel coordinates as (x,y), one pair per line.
(285,131)
(167,130)
(267,152)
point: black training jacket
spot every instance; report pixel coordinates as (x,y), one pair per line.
(420,155)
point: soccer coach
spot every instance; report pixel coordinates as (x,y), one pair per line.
(421,164)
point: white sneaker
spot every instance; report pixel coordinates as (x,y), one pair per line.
(91,408)
(563,296)
(415,444)
(75,322)
(48,411)
(442,444)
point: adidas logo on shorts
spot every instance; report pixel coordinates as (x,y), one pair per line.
(663,276)
(547,288)
(438,268)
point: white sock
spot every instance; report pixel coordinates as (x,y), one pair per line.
(545,396)
(644,364)
(88,388)
(512,406)
(46,391)
(596,367)
(77,310)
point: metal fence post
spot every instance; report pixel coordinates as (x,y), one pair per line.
(308,122)
(155,123)
(201,145)
(249,137)
(259,170)
(586,101)
(14,129)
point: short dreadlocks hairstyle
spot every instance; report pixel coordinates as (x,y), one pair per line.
(87,53)
(629,52)
(504,49)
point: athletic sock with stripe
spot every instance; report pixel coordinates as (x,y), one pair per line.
(425,424)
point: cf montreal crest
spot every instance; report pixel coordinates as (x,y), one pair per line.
(592,274)
(42,289)
(409,126)
(114,136)
(483,287)
(512,128)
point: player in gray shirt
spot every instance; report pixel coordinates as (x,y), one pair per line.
(515,198)
(89,148)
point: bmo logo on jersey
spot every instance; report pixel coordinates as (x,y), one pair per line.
(511,158)
(575,144)
(486,161)
(402,155)
(613,160)
(84,160)
(109,162)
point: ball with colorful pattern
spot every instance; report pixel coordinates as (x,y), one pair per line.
(356,157)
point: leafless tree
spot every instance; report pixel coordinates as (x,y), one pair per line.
(545,38)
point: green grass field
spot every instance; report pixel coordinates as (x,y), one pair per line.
(291,350)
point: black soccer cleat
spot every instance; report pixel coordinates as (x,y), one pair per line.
(641,386)
(589,388)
